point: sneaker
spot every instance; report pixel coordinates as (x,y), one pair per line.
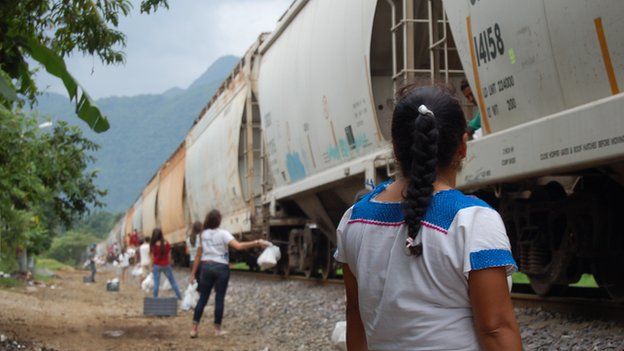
(193,334)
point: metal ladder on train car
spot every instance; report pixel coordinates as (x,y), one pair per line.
(438,45)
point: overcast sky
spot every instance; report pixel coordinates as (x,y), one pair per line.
(171,48)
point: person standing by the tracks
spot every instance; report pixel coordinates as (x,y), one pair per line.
(144,258)
(91,258)
(425,266)
(161,260)
(213,256)
(192,243)
(124,262)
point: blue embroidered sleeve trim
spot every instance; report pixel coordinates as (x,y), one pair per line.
(491,258)
(445,205)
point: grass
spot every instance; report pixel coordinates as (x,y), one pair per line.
(240,266)
(53,265)
(10,282)
(586,281)
(520,278)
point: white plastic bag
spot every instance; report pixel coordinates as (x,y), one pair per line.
(190,297)
(269,257)
(137,271)
(339,336)
(148,283)
(164,283)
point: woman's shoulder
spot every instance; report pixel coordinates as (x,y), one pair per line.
(369,211)
(447,205)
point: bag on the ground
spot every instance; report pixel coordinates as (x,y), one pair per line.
(190,297)
(339,336)
(269,257)
(112,285)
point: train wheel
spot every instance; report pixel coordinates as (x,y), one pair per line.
(546,289)
(309,252)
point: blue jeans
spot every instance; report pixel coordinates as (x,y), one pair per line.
(217,275)
(169,274)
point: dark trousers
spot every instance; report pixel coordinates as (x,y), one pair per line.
(215,275)
(92,268)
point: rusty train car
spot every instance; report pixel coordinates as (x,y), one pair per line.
(300,128)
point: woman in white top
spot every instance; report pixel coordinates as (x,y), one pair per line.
(124,262)
(213,256)
(145,258)
(425,266)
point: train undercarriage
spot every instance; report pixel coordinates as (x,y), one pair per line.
(561,227)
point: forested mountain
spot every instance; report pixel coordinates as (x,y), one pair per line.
(145,130)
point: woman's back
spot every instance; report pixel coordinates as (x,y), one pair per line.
(215,245)
(421,303)
(160,252)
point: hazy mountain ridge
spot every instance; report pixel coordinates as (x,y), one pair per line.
(145,130)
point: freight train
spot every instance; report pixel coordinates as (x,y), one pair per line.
(300,128)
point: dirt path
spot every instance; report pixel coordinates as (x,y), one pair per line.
(77,316)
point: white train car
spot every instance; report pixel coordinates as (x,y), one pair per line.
(326,86)
(223,153)
(137,220)
(548,75)
(149,197)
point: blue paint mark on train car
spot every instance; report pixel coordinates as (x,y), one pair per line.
(344,148)
(361,141)
(296,169)
(333,153)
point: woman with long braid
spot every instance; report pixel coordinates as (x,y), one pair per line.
(425,266)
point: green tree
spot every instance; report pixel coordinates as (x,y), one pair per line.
(44,182)
(71,247)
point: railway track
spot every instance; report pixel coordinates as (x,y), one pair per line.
(591,303)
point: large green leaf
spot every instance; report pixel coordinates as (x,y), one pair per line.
(7,90)
(55,65)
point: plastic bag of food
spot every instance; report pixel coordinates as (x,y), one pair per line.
(164,283)
(269,257)
(148,283)
(339,336)
(190,297)
(137,271)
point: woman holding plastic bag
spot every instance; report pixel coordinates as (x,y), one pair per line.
(212,255)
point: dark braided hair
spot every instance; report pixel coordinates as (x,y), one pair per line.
(424,141)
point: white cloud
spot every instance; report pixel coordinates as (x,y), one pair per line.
(173,47)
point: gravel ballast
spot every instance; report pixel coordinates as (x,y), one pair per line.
(301,316)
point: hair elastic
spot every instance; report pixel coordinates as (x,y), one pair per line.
(423,110)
